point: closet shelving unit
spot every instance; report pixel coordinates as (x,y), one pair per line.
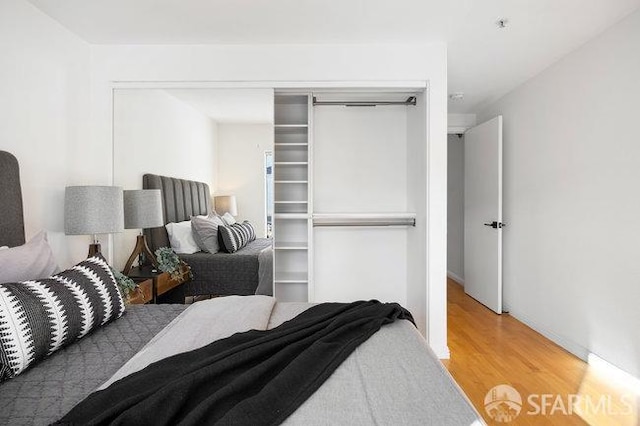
(293,196)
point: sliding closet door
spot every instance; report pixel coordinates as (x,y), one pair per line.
(360,166)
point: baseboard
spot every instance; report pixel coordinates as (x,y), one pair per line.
(617,373)
(455,278)
(442,352)
(576,349)
(569,345)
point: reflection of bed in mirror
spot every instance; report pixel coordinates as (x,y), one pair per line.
(217,136)
(245,272)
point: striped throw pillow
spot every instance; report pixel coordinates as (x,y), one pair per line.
(236,236)
(39,317)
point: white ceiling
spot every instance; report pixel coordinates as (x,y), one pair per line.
(485,63)
(229,105)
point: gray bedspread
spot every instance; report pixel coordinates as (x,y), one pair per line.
(240,273)
(50,389)
(391,379)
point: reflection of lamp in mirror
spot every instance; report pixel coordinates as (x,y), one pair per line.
(225,204)
(142,209)
(92,210)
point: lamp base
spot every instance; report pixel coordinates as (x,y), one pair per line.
(94,249)
(141,248)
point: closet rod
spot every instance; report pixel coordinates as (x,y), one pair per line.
(364,220)
(411,100)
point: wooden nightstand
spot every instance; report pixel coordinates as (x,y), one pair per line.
(160,287)
(144,293)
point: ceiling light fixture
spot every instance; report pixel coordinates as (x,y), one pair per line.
(502,23)
(456,96)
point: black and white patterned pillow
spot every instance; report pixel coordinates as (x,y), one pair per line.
(236,236)
(247,230)
(41,316)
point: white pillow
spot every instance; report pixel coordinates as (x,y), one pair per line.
(228,219)
(4,247)
(31,261)
(181,237)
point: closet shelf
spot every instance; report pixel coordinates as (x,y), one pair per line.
(290,246)
(292,216)
(291,126)
(291,145)
(292,196)
(291,277)
(290,202)
(291,129)
(291,163)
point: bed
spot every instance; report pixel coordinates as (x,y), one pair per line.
(391,378)
(245,272)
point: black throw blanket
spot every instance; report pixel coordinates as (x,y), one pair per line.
(251,378)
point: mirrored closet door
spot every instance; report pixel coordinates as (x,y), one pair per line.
(218,136)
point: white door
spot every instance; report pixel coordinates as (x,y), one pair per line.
(483,213)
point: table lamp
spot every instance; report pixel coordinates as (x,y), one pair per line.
(142,209)
(93,210)
(225,204)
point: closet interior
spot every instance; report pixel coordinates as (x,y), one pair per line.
(292,196)
(350,195)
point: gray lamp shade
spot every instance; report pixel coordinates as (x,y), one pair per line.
(143,209)
(93,210)
(226,204)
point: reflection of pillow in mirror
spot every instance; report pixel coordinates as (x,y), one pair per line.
(193,231)
(215,216)
(211,215)
(31,261)
(236,236)
(205,232)
(181,237)
(228,219)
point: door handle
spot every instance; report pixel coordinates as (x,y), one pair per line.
(495,225)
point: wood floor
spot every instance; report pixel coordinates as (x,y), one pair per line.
(489,350)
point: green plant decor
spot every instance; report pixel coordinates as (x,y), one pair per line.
(168,261)
(125,284)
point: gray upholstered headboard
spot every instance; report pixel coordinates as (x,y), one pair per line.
(11,219)
(181,199)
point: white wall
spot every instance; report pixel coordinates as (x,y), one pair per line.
(304,66)
(45,119)
(455,208)
(571,199)
(155,132)
(240,168)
